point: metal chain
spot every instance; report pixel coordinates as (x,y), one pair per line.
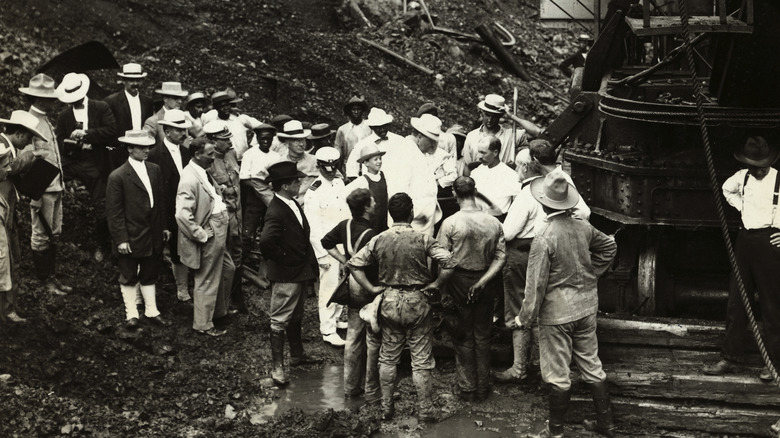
(718,196)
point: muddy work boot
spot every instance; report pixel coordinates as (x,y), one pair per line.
(423,382)
(277,356)
(722,367)
(521,344)
(559,405)
(603,423)
(297,356)
(387,376)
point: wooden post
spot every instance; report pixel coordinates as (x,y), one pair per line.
(504,56)
(397,56)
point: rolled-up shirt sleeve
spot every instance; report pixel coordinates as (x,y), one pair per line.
(437,252)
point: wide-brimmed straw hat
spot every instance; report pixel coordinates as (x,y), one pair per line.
(171,89)
(73,88)
(757,152)
(493,103)
(25,120)
(194,97)
(554,191)
(370,313)
(283,170)
(368,152)
(132,70)
(175,118)
(140,137)
(40,85)
(378,117)
(428,125)
(293,129)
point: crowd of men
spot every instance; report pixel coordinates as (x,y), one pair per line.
(379,226)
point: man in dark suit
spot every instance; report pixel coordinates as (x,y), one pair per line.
(172,157)
(84,130)
(292,266)
(135,220)
(130,109)
(202,217)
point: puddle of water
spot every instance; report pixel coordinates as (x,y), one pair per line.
(312,391)
(458,425)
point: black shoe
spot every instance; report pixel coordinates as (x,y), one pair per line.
(158,320)
(131,324)
(214,332)
(718,369)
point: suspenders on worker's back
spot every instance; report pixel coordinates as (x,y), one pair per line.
(775,194)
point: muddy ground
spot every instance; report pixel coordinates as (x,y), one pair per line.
(72,371)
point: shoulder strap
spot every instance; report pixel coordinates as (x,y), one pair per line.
(360,238)
(349,238)
(776,194)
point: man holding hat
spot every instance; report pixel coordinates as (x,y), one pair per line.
(256,192)
(373,180)
(202,217)
(129,107)
(84,132)
(136,220)
(173,97)
(567,256)
(20,129)
(46,212)
(493,108)
(349,134)
(292,265)
(293,138)
(325,207)
(753,191)
(171,156)
(238,124)
(224,172)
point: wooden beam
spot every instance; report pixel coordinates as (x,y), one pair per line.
(667,333)
(397,56)
(697,24)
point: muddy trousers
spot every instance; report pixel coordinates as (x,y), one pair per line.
(406,320)
(514,294)
(361,358)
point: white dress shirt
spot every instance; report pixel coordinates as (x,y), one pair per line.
(524,216)
(293,206)
(135,110)
(754,199)
(219,205)
(175,154)
(140,170)
(498,183)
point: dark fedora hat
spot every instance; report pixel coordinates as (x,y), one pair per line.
(320,130)
(757,152)
(356,100)
(283,170)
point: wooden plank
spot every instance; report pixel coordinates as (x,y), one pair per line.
(672,25)
(668,333)
(632,414)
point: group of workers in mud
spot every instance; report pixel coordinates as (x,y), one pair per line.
(380,227)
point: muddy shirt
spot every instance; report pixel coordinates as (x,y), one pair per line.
(401,254)
(475,239)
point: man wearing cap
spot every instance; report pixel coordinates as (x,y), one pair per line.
(476,241)
(356,129)
(567,256)
(173,97)
(224,172)
(293,138)
(373,180)
(325,207)
(320,137)
(401,255)
(195,106)
(497,181)
(256,193)
(136,220)
(202,217)
(544,158)
(84,132)
(20,129)
(577,60)
(292,265)
(238,124)
(171,156)
(493,108)
(753,191)
(130,109)
(46,212)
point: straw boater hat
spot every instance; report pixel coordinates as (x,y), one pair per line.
(175,118)
(320,130)
(73,88)
(139,137)
(378,117)
(171,89)
(368,152)
(283,170)
(554,191)
(25,120)
(293,129)
(757,152)
(217,129)
(40,86)
(427,125)
(194,97)
(219,97)
(132,71)
(493,103)
(356,100)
